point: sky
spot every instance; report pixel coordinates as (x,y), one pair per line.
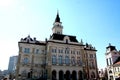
(96,22)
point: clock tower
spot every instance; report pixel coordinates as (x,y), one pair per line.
(57,25)
(111,56)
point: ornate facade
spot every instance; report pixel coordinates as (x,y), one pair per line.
(59,57)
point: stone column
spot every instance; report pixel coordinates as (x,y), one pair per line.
(57,75)
(77,75)
(49,73)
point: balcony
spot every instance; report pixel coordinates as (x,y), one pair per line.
(67,63)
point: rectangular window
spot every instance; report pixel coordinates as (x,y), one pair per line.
(54,50)
(61,51)
(115,69)
(91,55)
(118,69)
(20,49)
(26,50)
(54,60)
(110,61)
(78,52)
(37,51)
(107,62)
(43,51)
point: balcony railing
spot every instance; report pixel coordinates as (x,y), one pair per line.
(33,64)
(67,63)
(55,62)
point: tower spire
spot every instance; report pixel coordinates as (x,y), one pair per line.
(57,17)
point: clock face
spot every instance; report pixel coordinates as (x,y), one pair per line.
(108,49)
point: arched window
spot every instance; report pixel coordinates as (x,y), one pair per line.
(92,75)
(60,59)
(25,60)
(110,71)
(54,59)
(67,60)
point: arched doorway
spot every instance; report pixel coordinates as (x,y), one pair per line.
(53,75)
(29,75)
(74,76)
(92,75)
(61,75)
(67,75)
(80,75)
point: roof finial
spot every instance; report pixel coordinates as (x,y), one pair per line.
(81,41)
(28,35)
(109,44)
(57,12)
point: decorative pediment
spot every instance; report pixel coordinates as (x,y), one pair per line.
(66,39)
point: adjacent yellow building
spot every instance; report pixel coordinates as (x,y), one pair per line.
(117,68)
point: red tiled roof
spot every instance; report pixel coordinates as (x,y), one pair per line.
(117,63)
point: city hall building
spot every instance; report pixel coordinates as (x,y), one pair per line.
(61,57)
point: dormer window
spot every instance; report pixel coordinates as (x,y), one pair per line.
(66,40)
(27,40)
